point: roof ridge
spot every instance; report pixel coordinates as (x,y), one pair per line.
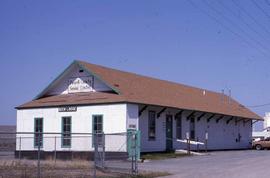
(149,77)
(140,89)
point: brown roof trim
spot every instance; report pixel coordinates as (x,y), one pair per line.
(197,111)
(61,105)
(126,102)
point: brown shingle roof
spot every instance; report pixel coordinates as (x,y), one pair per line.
(145,90)
(74,99)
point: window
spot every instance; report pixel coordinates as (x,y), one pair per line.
(97,128)
(66,131)
(152,125)
(178,126)
(38,129)
(97,123)
(192,128)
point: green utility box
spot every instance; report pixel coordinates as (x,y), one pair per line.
(134,143)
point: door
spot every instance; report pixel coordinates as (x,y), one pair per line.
(169,133)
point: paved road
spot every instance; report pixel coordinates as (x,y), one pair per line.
(227,164)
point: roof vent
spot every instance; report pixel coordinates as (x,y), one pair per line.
(116,85)
(204,92)
(81,70)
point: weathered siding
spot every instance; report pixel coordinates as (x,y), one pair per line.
(220,135)
(119,117)
(159,144)
(114,121)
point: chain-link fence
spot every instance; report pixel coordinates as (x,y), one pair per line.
(127,144)
(29,154)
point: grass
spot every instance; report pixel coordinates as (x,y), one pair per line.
(67,169)
(165,155)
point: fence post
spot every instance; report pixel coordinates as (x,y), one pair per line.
(20,147)
(136,161)
(103,150)
(206,139)
(133,137)
(95,155)
(189,146)
(55,150)
(188,143)
(197,144)
(39,142)
(132,152)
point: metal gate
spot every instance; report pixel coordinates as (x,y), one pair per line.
(99,154)
(133,148)
(127,163)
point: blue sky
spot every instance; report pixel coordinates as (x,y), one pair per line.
(205,43)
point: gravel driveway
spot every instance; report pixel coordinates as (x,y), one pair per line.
(223,164)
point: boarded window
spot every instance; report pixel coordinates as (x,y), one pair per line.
(192,128)
(152,125)
(38,129)
(66,132)
(178,126)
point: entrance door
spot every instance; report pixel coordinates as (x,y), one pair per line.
(169,133)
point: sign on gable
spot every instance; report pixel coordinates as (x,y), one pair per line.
(81,84)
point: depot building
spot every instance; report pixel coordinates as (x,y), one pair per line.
(88,98)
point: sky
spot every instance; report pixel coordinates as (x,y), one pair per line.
(212,44)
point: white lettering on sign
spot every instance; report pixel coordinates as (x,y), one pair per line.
(82,84)
(67,109)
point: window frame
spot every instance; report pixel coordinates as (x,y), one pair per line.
(93,121)
(62,132)
(178,126)
(42,127)
(150,127)
(93,126)
(192,128)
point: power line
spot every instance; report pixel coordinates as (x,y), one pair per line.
(226,27)
(251,17)
(259,105)
(259,7)
(234,24)
(235,14)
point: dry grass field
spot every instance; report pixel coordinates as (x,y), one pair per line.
(67,169)
(7,141)
(49,169)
